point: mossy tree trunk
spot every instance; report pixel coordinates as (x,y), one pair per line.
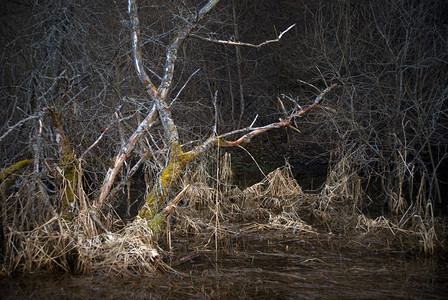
(67,177)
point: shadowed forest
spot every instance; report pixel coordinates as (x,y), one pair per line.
(128,127)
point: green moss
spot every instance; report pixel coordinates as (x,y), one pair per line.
(156,224)
(71,176)
(67,183)
(156,198)
(9,181)
(14,168)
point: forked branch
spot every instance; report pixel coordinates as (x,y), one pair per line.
(158,95)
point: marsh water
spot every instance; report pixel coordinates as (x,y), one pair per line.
(261,264)
(268,266)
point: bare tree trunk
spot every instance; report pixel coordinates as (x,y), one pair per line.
(158,95)
(238,62)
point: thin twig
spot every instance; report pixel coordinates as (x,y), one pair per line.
(253,122)
(182,88)
(95,143)
(94,219)
(282,106)
(309,84)
(258,166)
(215,126)
(17,125)
(172,205)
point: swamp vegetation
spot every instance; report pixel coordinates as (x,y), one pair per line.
(139,138)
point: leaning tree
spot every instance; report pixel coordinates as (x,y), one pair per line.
(176,156)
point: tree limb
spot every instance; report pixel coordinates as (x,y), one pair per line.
(125,150)
(137,49)
(242,44)
(18,124)
(286,123)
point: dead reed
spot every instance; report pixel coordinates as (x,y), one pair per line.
(36,237)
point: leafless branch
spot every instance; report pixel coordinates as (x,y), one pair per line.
(183,87)
(96,142)
(215,126)
(123,154)
(170,208)
(242,44)
(18,124)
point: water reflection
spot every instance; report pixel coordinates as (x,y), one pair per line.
(258,267)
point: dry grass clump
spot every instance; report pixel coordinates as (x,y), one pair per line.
(129,251)
(289,221)
(272,204)
(278,192)
(60,246)
(342,185)
(414,235)
(279,184)
(47,247)
(278,203)
(339,210)
(199,196)
(280,197)
(209,207)
(35,237)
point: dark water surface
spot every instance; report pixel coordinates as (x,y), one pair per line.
(258,267)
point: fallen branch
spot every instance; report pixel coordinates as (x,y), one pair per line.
(254,131)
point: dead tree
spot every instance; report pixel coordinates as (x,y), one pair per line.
(153,211)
